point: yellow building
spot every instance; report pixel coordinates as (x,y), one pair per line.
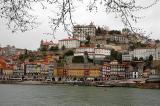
(94,72)
(60,72)
(7,73)
(75,72)
(55,73)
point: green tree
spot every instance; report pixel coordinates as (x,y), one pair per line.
(54,48)
(119,57)
(149,61)
(88,38)
(69,53)
(32,58)
(141,59)
(127,30)
(98,31)
(157,41)
(98,45)
(63,47)
(78,59)
(113,55)
(150,58)
(135,59)
(114,32)
(22,57)
(43,48)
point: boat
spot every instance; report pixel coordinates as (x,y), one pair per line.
(108,85)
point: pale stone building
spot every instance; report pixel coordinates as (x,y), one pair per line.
(69,43)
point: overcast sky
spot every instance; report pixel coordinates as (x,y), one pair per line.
(31,39)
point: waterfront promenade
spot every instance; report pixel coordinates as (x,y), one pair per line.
(133,83)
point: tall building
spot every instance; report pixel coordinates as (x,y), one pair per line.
(80,32)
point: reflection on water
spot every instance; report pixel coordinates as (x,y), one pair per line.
(40,95)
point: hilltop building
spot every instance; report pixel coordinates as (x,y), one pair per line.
(69,43)
(47,44)
(80,32)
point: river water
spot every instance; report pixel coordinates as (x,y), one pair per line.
(60,95)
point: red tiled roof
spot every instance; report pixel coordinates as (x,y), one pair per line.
(47,42)
(3,63)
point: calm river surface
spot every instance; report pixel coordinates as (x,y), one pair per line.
(42,95)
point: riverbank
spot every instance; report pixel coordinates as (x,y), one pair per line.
(119,83)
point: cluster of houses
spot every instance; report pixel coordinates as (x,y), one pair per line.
(97,43)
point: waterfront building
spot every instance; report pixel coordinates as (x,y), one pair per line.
(118,71)
(78,71)
(2,66)
(135,70)
(69,43)
(19,70)
(60,72)
(114,70)
(8,72)
(33,70)
(40,70)
(105,71)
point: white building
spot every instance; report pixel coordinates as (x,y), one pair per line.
(127,57)
(157,54)
(135,75)
(69,43)
(118,38)
(142,53)
(97,53)
(80,32)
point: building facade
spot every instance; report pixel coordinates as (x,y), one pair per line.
(127,57)
(69,43)
(144,53)
(80,32)
(70,73)
(47,44)
(97,53)
(114,71)
(118,38)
